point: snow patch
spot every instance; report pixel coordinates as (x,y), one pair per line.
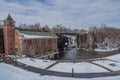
(114,57)
(9,72)
(39,63)
(81,67)
(25,36)
(106,49)
(108,65)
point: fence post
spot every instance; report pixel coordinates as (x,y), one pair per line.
(72,72)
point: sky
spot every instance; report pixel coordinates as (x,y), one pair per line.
(75,14)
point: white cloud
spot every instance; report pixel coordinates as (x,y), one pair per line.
(71,13)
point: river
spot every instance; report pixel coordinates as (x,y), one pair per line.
(74,54)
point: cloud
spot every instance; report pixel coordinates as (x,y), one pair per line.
(72,14)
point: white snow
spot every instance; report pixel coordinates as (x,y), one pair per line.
(15,56)
(108,45)
(39,63)
(36,36)
(114,57)
(107,63)
(81,67)
(106,50)
(9,72)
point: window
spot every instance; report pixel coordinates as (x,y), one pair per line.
(10,35)
(10,43)
(10,31)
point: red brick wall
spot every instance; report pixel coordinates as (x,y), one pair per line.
(39,46)
(34,46)
(9,37)
(18,43)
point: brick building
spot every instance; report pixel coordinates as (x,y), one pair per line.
(9,35)
(31,43)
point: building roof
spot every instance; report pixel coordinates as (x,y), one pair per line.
(9,18)
(37,34)
(37,37)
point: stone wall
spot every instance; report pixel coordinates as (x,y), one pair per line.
(86,41)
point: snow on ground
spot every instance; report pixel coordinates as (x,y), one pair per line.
(115,66)
(106,50)
(81,67)
(9,72)
(114,57)
(39,63)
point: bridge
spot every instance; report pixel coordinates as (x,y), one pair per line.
(69,33)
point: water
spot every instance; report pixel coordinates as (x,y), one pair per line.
(74,54)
